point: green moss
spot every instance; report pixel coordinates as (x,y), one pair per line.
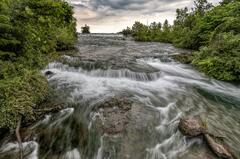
(221,59)
(19,95)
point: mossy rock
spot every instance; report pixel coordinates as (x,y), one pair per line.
(185,58)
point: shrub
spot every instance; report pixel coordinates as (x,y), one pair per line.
(19,95)
(221,59)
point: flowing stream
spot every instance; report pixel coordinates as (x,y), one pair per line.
(160,89)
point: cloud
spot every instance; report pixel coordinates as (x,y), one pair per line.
(114,15)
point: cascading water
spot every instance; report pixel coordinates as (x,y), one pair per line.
(148,129)
(109,73)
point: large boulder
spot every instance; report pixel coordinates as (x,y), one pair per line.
(191,126)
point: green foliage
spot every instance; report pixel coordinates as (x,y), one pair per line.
(19,95)
(221,59)
(30,33)
(154,32)
(221,55)
(204,26)
(218,30)
(201,6)
(86,29)
(126,32)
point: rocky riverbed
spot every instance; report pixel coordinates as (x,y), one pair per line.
(131,100)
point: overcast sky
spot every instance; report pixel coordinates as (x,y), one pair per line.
(110,16)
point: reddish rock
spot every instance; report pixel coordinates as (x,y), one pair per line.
(217,147)
(191,127)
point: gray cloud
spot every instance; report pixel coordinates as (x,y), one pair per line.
(114,15)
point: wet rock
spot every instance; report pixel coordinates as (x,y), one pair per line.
(113,115)
(138,67)
(218,147)
(3,132)
(194,127)
(49,108)
(43,109)
(49,73)
(191,126)
(185,58)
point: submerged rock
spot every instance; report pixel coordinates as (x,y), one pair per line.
(218,147)
(191,127)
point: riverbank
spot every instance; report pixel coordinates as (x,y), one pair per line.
(31,34)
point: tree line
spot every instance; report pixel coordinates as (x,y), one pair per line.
(214,31)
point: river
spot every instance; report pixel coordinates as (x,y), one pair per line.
(146,94)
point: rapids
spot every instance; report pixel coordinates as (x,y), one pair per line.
(162,91)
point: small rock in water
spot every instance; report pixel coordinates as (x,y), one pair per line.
(48,73)
(191,127)
(217,147)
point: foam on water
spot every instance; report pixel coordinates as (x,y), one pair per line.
(73,154)
(109,73)
(169,88)
(100,149)
(30,149)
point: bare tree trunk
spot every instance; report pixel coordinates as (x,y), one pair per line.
(19,139)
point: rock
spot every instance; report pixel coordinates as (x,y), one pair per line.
(185,58)
(114,112)
(43,109)
(194,127)
(3,132)
(218,147)
(49,73)
(191,127)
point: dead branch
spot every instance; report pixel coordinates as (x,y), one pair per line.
(19,139)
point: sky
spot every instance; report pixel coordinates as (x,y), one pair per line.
(111,16)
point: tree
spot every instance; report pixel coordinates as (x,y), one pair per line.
(201,6)
(85,29)
(166,26)
(127,31)
(226,2)
(137,26)
(181,16)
